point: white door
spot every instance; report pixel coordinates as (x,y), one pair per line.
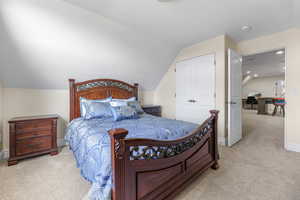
(195,88)
(234,97)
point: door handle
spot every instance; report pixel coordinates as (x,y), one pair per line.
(192,101)
(231,102)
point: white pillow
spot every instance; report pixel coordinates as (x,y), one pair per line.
(121,102)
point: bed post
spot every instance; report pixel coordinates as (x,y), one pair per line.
(72,98)
(136,89)
(117,137)
(214,114)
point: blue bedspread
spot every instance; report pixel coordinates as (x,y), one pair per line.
(90,143)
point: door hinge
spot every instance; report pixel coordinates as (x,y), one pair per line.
(175,95)
(175,70)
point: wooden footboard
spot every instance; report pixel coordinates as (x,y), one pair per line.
(157,170)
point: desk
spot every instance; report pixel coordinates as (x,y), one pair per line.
(248,106)
(262,108)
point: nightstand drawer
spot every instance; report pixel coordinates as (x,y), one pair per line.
(22,127)
(27,135)
(157,114)
(33,145)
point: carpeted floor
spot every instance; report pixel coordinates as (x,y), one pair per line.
(257,168)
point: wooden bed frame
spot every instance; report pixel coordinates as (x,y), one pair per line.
(145,169)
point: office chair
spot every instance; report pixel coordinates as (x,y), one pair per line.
(279,102)
(252,101)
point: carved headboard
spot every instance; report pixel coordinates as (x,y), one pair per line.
(98,89)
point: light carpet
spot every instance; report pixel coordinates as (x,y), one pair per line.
(257,168)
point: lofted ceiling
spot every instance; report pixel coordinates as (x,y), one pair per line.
(265,64)
(186,22)
(43,43)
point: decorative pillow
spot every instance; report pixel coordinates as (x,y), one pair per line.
(136,105)
(123,112)
(84,101)
(121,102)
(97,110)
(129,99)
(118,103)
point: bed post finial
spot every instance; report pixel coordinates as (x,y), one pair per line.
(214,114)
(136,89)
(118,150)
(72,98)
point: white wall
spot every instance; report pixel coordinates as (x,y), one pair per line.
(165,92)
(25,102)
(263,85)
(290,40)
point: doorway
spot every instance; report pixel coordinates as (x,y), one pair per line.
(262,96)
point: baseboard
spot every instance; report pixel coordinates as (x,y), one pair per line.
(4,154)
(1,155)
(221,141)
(61,142)
(292,147)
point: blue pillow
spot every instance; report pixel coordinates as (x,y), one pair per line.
(97,110)
(123,112)
(84,102)
(136,105)
(121,102)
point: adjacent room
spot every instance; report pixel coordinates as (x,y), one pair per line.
(263,96)
(149,100)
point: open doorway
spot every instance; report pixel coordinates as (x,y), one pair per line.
(263,97)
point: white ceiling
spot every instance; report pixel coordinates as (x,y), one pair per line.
(43,43)
(185,22)
(264,64)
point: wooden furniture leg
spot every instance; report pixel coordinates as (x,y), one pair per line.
(215,166)
(275,110)
(53,153)
(12,162)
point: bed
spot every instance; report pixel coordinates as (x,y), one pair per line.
(142,159)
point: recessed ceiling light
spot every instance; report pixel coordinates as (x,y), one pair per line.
(248,72)
(255,75)
(279,52)
(246,28)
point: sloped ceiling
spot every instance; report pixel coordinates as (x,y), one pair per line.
(188,21)
(264,64)
(43,43)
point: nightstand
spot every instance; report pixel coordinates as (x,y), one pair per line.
(32,136)
(152,110)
